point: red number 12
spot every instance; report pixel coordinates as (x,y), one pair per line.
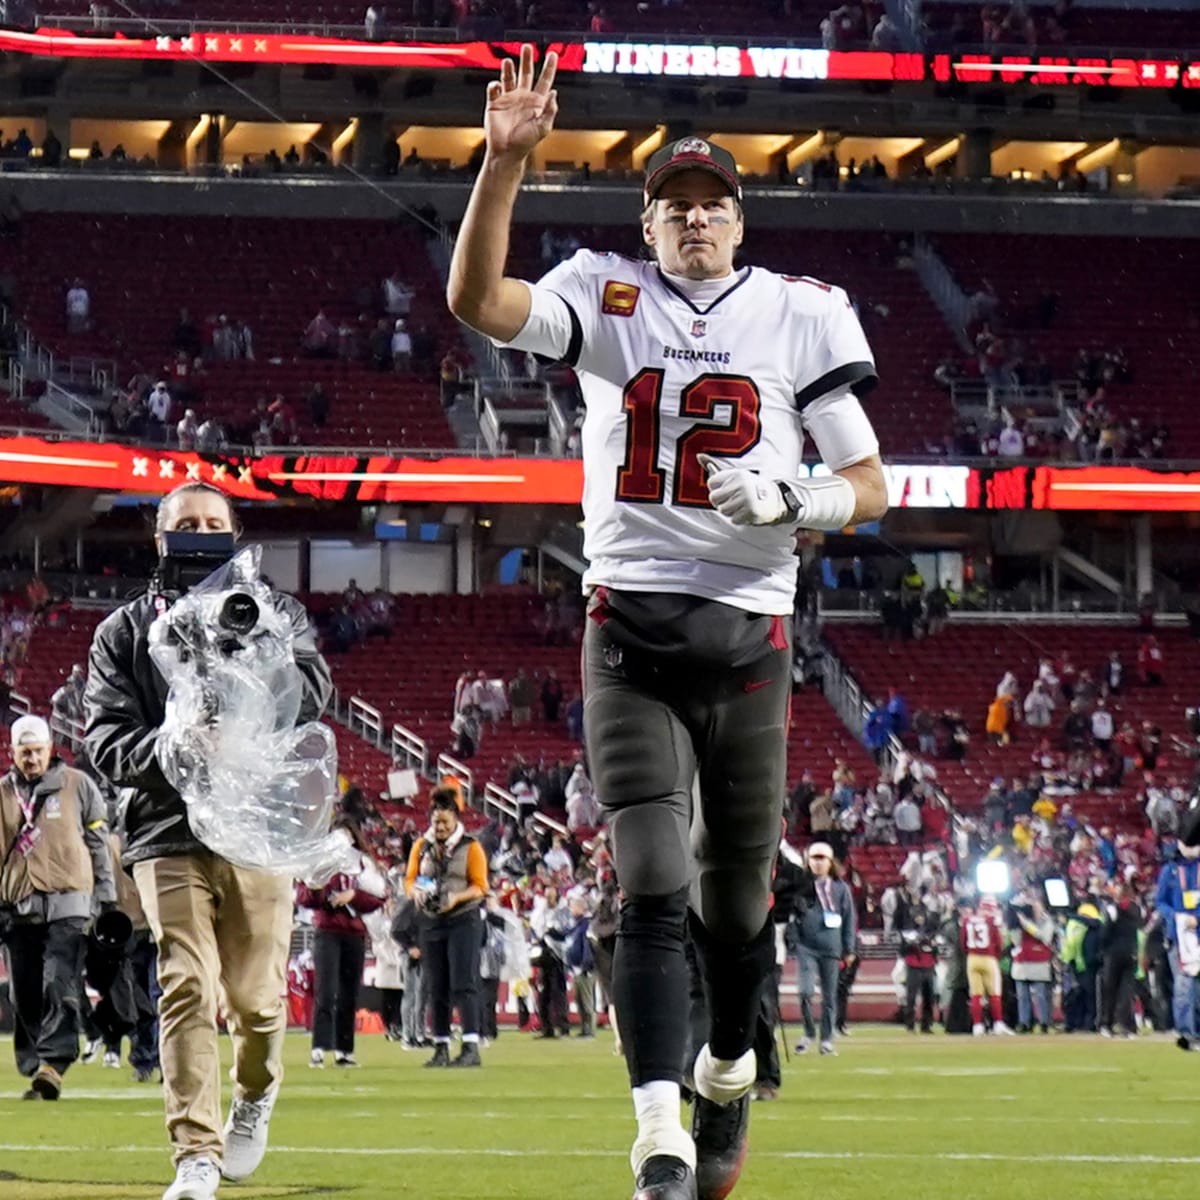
(640,479)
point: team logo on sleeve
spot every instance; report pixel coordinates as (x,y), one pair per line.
(620,299)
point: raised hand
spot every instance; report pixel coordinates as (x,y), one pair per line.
(520,112)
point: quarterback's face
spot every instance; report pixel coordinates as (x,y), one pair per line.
(695,226)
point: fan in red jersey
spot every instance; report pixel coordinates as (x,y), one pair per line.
(983,939)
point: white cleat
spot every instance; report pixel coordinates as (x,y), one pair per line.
(246,1135)
(978,1030)
(196,1178)
(1002,1029)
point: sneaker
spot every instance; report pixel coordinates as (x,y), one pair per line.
(468,1056)
(720,1132)
(441,1056)
(827,1048)
(246,1135)
(665,1177)
(1002,1029)
(766,1091)
(112,1060)
(146,1075)
(316,1060)
(409,1044)
(977,1030)
(342,1059)
(90,1050)
(802,1045)
(196,1178)
(1045,1028)
(1105,1031)
(1183,1042)
(843,1031)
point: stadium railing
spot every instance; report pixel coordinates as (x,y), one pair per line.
(169,27)
(447,764)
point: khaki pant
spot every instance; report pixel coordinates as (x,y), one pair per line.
(983,975)
(223,934)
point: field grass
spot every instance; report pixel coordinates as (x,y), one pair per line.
(893,1117)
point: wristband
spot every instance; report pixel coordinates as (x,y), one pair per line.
(827,503)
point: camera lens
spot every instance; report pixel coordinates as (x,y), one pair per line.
(239,614)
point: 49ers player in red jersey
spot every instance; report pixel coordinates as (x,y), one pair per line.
(983,939)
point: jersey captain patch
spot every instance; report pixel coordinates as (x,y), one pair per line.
(620,299)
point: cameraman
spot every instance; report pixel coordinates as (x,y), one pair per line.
(447,878)
(919,927)
(222,931)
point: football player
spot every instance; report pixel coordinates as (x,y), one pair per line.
(983,940)
(701,380)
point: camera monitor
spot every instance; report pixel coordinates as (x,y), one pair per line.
(1058,894)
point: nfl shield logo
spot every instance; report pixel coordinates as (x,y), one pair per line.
(699,328)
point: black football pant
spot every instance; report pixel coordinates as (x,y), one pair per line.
(45,962)
(337,970)
(685,716)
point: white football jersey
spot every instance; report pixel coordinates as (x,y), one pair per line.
(665,380)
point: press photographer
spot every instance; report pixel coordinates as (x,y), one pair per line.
(222,929)
(55,870)
(447,880)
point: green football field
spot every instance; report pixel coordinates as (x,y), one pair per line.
(893,1117)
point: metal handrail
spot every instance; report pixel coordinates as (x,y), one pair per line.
(501,799)
(410,749)
(550,824)
(365,720)
(449,765)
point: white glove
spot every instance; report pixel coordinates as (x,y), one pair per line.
(743,497)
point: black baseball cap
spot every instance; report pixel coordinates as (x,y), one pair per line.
(691,154)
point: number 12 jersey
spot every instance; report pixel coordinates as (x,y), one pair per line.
(742,377)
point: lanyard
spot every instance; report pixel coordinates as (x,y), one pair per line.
(29,808)
(825,894)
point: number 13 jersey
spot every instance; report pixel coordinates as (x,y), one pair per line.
(664,380)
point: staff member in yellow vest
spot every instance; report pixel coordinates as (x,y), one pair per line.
(447,879)
(55,871)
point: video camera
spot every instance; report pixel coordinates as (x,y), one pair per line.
(190,558)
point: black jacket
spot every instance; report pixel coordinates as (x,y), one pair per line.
(124,707)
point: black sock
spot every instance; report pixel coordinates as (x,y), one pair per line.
(734,977)
(650,986)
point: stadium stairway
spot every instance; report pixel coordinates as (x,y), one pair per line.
(275,275)
(961,667)
(1112,293)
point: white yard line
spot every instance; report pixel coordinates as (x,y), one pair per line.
(535,1152)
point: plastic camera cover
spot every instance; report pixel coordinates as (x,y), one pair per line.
(260,788)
